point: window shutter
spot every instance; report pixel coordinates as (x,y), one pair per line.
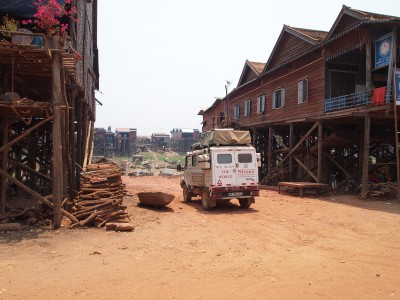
(282,97)
(273,100)
(263,103)
(305,90)
(300,97)
(259,105)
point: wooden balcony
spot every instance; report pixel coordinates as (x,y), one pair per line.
(351,101)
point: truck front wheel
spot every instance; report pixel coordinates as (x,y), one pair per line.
(206,199)
(245,202)
(187,197)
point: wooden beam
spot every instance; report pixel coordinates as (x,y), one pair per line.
(36,195)
(348,176)
(28,169)
(300,142)
(26,133)
(305,168)
(367,128)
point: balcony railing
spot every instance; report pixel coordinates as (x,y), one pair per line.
(350,101)
(347,101)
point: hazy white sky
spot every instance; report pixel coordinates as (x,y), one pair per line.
(162,61)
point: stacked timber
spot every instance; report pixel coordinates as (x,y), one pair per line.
(100,199)
(382,191)
(28,215)
(276,175)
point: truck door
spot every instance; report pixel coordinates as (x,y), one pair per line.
(246,167)
(224,168)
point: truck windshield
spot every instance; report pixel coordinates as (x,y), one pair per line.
(224,159)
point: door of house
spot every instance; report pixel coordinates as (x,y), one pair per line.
(342,83)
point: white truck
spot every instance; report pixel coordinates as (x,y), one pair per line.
(221,167)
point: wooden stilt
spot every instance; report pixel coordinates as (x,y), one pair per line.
(58,184)
(320,153)
(72,145)
(91,145)
(269,163)
(364,189)
(4,167)
(86,156)
(291,135)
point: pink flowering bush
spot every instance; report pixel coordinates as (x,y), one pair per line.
(49,13)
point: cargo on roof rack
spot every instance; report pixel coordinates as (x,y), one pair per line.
(223,137)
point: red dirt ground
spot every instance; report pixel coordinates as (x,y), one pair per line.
(283,247)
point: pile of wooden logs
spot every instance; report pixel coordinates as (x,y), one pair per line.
(277,174)
(100,199)
(382,191)
(29,215)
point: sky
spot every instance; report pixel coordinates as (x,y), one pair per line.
(161,62)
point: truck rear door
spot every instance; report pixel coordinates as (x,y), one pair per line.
(224,168)
(246,167)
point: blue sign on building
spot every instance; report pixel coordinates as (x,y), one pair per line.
(383,49)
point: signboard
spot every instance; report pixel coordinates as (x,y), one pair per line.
(397,86)
(383,49)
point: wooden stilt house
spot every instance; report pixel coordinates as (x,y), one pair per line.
(323,103)
(47,106)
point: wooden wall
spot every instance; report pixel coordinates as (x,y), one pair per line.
(312,69)
(289,47)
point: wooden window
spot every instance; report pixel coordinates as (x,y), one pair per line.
(247,108)
(221,117)
(302,91)
(261,104)
(236,111)
(278,98)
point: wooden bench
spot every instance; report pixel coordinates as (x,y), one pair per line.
(302,186)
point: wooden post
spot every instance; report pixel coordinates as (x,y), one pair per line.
(367,127)
(391,63)
(58,172)
(368,64)
(91,144)
(4,167)
(320,153)
(269,163)
(78,161)
(72,145)
(396,129)
(87,145)
(291,133)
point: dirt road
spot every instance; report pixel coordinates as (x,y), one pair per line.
(283,247)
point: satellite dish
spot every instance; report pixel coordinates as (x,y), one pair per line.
(22,39)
